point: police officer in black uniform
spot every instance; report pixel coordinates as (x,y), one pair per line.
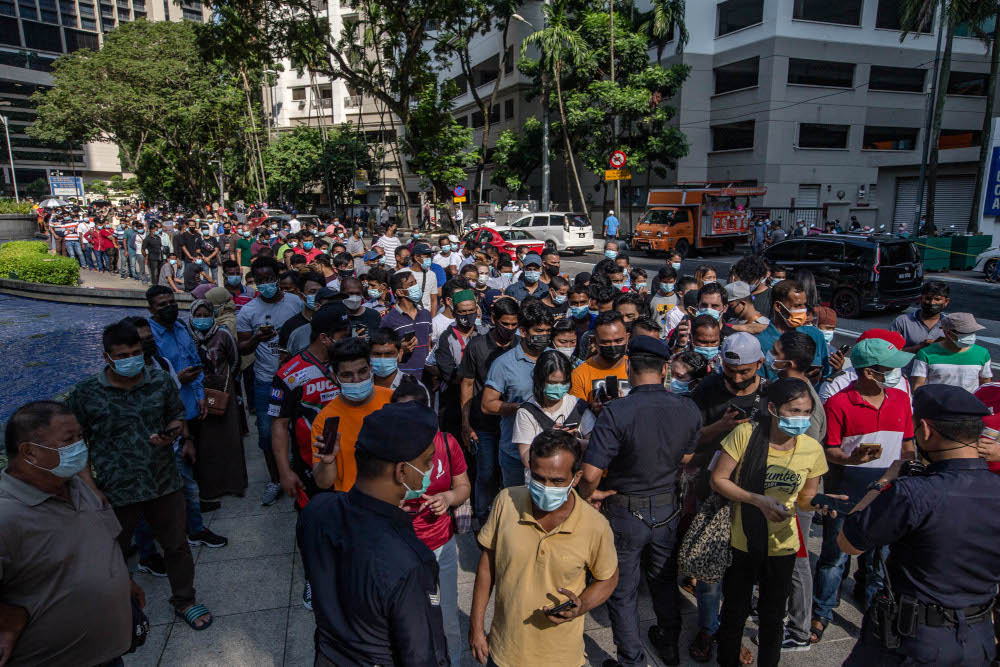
(642,440)
(942,526)
(375,585)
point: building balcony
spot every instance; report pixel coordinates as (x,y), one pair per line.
(352,101)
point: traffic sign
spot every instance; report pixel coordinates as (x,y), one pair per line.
(459,191)
(617,174)
(617,160)
(459,200)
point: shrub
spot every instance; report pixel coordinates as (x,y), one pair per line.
(30,261)
(11,206)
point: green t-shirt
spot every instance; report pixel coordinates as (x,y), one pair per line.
(243,246)
(942,366)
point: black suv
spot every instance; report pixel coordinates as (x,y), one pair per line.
(855,273)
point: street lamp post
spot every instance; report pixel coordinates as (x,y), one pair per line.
(10,153)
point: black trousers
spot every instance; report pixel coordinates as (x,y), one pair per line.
(773,575)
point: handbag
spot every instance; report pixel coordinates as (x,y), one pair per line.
(461,516)
(705,553)
(140,626)
(217,400)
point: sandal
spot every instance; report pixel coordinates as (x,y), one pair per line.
(701,648)
(817,628)
(193,613)
(746,656)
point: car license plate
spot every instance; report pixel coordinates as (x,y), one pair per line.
(902,276)
(583,236)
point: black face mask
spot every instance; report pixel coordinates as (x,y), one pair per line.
(628,325)
(742,384)
(931,308)
(405,261)
(551,270)
(169,313)
(465,321)
(538,342)
(611,353)
(149,347)
(504,334)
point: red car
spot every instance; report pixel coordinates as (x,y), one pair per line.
(508,240)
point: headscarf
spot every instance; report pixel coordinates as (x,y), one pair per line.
(201,337)
(223,307)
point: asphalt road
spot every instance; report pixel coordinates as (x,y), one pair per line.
(968,294)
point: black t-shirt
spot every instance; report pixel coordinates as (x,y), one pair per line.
(192,275)
(209,245)
(369,319)
(558,312)
(153,246)
(192,242)
(713,398)
(290,325)
(762,302)
(479,355)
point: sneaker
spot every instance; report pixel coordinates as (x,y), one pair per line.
(307,596)
(207,538)
(271,494)
(790,643)
(154,565)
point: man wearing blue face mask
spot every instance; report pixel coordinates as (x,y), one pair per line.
(411,322)
(422,269)
(529,284)
(449,258)
(375,610)
(257,326)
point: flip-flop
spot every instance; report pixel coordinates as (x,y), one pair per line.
(192,614)
(813,630)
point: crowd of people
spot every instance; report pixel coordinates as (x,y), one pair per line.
(590,430)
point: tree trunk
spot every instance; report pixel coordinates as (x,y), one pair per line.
(984,142)
(569,149)
(932,162)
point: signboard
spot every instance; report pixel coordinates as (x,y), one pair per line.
(730,222)
(617,174)
(743,192)
(459,191)
(66,186)
(617,160)
(992,186)
(459,200)
(360,182)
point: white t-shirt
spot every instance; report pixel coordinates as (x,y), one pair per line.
(389,245)
(82,229)
(439,325)
(295,225)
(459,215)
(452,259)
(429,286)
(254,315)
(526,426)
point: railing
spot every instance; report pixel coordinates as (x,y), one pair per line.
(325,103)
(352,101)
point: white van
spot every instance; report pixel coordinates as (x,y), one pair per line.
(571,232)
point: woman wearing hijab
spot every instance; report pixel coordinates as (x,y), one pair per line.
(221,464)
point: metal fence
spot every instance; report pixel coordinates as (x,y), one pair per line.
(787,216)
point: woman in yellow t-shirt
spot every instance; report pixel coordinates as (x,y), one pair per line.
(778,465)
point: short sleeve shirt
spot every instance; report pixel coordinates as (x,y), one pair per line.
(941,365)
(785,475)
(479,356)
(852,421)
(588,375)
(428,284)
(531,565)
(449,461)
(243,247)
(512,376)
(526,426)
(253,316)
(403,324)
(351,417)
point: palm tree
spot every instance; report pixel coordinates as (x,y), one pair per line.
(991,8)
(561,46)
(667,18)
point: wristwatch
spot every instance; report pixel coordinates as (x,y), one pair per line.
(877,485)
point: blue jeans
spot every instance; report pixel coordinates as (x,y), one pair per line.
(261,401)
(75,250)
(486,470)
(709,598)
(88,253)
(447,558)
(137,267)
(102,260)
(852,481)
(511,469)
(143,534)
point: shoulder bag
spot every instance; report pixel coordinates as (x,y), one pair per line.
(461,516)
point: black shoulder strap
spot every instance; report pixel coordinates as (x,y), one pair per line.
(544,421)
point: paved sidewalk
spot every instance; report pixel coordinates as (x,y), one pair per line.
(253,586)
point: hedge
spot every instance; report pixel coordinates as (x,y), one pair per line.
(30,261)
(15,207)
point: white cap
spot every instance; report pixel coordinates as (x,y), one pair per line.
(611,212)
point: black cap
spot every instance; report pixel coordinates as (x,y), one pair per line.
(946,402)
(325,293)
(420,249)
(331,317)
(649,345)
(398,432)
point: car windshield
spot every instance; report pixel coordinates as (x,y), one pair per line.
(898,253)
(516,235)
(662,217)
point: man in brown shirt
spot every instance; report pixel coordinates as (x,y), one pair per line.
(64,586)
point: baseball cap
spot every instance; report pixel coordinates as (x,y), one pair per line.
(963,323)
(370,255)
(331,317)
(741,348)
(452,238)
(382,437)
(826,316)
(737,290)
(420,249)
(532,258)
(884,334)
(878,352)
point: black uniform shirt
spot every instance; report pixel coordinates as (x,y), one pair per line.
(375,591)
(641,438)
(942,529)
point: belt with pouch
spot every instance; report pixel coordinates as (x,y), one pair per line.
(634,503)
(934,616)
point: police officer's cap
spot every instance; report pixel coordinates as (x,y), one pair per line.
(398,432)
(649,345)
(946,402)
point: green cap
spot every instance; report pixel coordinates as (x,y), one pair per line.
(878,352)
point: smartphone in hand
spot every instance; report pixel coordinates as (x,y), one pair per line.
(330,428)
(841,506)
(611,386)
(568,604)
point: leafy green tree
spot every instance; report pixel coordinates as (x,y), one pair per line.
(666,22)
(38,188)
(98,187)
(149,89)
(517,156)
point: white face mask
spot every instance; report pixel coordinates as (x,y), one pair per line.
(965,340)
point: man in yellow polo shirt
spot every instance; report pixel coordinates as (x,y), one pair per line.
(588,378)
(540,541)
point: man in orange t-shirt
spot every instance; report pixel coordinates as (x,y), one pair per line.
(612,341)
(359,397)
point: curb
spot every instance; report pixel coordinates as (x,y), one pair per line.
(91,296)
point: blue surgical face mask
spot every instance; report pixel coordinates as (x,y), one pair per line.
(413,494)
(707,352)
(679,386)
(307,245)
(311,301)
(676,266)
(426,263)
(357,391)
(640,287)
(710,311)
(234,280)
(129,367)
(548,498)
(382,260)
(446,248)
(611,254)
(413,293)
(374,293)
(579,312)
(531,277)
(666,288)
(199,261)
(556,391)
(794,425)
(828,336)
(383,367)
(202,323)
(72,459)
(268,290)
(559,299)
